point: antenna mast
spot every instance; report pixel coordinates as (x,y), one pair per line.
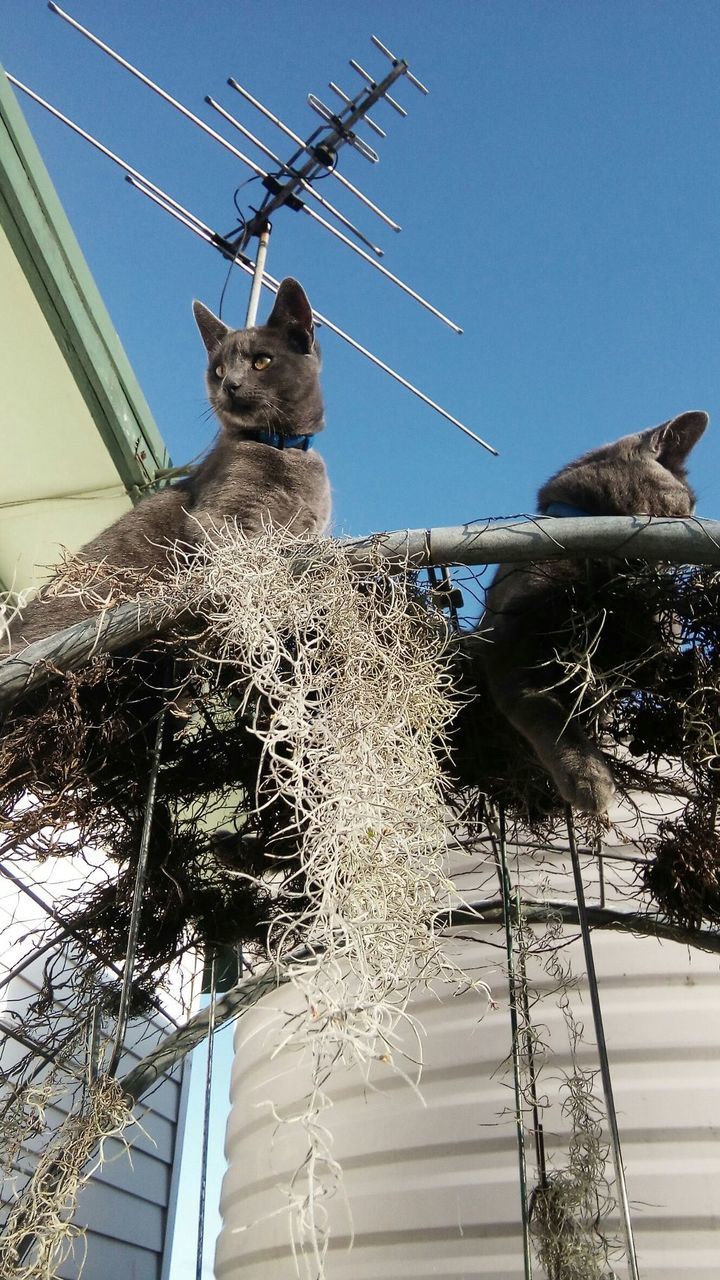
(289,184)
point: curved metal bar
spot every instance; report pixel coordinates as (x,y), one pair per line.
(691,541)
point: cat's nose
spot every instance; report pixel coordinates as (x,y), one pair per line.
(232,385)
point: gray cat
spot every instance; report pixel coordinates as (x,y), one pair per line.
(264,386)
(641,474)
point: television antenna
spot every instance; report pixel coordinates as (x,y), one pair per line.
(289,184)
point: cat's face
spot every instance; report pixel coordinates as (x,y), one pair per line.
(641,474)
(267,377)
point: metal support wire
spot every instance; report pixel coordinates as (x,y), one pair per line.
(514,1031)
(206,1119)
(133,931)
(602,1050)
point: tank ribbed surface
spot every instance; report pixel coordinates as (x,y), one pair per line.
(433,1188)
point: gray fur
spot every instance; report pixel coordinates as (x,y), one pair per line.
(240,478)
(642,474)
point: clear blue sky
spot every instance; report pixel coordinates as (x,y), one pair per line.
(559,192)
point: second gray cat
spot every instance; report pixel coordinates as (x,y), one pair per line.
(642,474)
(264,386)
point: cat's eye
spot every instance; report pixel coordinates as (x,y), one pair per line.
(261,362)
(220,371)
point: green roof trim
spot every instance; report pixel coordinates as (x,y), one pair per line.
(43,240)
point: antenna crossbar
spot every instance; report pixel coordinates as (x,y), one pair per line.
(307,189)
(347,100)
(413,79)
(229,251)
(279,193)
(269,115)
(156,88)
(340,131)
(331,118)
(320,151)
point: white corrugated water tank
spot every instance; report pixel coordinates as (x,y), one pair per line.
(432,1183)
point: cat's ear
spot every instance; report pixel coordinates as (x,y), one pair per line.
(293,312)
(672,441)
(212,331)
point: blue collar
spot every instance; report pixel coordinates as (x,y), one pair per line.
(563,509)
(278,441)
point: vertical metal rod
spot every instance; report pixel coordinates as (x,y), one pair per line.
(538,1130)
(206,1120)
(205,233)
(512,985)
(257,280)
(134,929)
(602,1050)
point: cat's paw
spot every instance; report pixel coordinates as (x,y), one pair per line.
(585,782)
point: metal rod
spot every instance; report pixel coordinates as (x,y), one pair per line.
(69,932)
(35,955)
(365,74)
(383,49)
(383,270)
(538,1130)
(409,386)
(257,280)
(133,931)
(347,135)
(76,128)
(366,151)
(245,93)
(194,224)
(211,237)
(602,1050)
(418,83)
(413,79)
(514,1031)
(348,103)
(238,154)
(162,93)
(206,1120)
(601,870)
(100,146)
(342,124)
(173,102)
(307,188)
(395,105)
